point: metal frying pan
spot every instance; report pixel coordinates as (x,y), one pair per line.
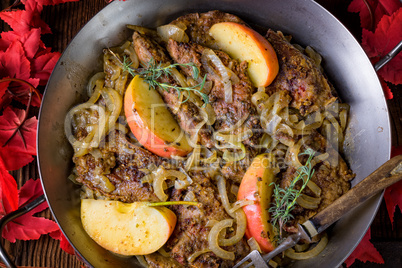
(348,68)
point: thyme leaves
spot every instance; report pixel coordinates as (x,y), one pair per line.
(285,199)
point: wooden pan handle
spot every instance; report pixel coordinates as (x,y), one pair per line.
(386,175)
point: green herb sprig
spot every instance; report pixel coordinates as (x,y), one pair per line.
(153,71)
(285,199)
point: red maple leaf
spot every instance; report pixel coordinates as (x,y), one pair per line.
(378,9)
(28,227)
(22,21)
(14,64)
(42,3)
(18,150)
(64,244)
(8,191)
(43,65)
(365,252)
(386,36)
(30,40)
(387,91)
(393,195)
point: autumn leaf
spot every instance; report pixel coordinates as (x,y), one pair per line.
(22,21)
(28,227)
(386,36)
(365,252)
(387,91)
(14,64)
(393,194)
(42,3)
(43,65)
(64,244)
(20,148)
(379,8)
(30,40)
(8,191)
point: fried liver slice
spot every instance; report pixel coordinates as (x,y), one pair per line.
(299,75)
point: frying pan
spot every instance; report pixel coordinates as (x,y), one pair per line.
(367,144)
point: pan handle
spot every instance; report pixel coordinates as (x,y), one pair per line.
(388,57)
(9,217)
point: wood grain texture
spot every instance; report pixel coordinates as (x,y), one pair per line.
(66,20)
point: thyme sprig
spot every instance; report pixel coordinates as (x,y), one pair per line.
(153,71)
(285,199)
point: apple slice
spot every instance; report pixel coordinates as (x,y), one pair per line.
(255,186)
(245,44)
(127,228)
(151,122)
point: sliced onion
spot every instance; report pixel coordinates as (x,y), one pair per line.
(195,155)
(159,185)
(335,124)
(100,76)
(319,158)
(233,77)
(343,118)
(114,103)
(190,196)
(258,98)
(104,183)
(224,197)
(291,253)
(239,204)
(213,240)
(271,123)
(253,244)
(141,29)
(94,136)
(171,31)
(241,223)
(211,116)
(208,55)
(142,261)
(230,157)
(308,202)
(314,188)
(316,57)
(130,51)
(196,254)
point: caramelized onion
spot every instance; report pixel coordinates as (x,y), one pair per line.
(241,225)
(196,254)
(253,244)
(308,202)
(213,240)
(209,56)
(291,253)
(171,31)
(314,188)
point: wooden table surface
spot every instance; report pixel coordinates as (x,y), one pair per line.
(66,20)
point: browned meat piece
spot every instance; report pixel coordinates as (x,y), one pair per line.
(191,233)
(188,116)
(156,260)
(332,176)
(198,25)
(298,74)
(120,162)
(227,114)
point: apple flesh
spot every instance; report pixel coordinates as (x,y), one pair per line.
(151,122)
(127,228)
(255,186)
(245,44)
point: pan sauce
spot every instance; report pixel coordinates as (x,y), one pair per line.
(286,139)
